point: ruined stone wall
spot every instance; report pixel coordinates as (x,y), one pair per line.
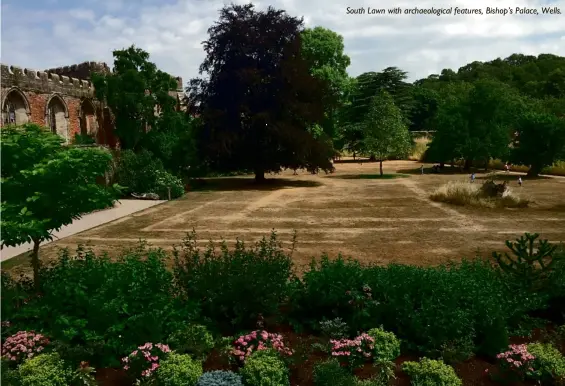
(63,95)
(81,71)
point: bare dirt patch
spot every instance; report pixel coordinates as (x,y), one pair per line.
(374,220)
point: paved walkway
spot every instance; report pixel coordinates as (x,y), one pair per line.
(121,209)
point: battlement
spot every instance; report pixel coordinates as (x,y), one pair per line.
(44,82)
(81,70)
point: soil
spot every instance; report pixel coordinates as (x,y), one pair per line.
(352,211)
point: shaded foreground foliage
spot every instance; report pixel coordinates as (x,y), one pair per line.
(98,309)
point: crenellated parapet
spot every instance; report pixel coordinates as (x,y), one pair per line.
(44,82)
(81,70)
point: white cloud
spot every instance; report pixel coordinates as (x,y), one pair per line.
(172,32)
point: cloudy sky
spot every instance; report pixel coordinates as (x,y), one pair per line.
(43,34)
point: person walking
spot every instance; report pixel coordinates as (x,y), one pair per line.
(472,177)
(507,167)
(520,181)
(422,169)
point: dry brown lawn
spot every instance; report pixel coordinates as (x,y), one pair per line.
(376,220)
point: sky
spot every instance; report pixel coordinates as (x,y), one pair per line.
(41,34)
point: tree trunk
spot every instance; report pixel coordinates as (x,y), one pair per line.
(381,166)
(441,165)
(259,175)
(534,171)
(452,164)
(486,165)
(467,165)
(35,263)
(353,156)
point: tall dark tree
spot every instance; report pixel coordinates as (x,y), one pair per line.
(259,98)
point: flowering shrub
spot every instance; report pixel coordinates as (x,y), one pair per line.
(516,363)
(258,340)
(145,360)
(353,352)
(23,345)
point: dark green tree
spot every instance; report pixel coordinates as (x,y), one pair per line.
(46,185)
(138,94)
(540,140)
(385,133)
(259,98)
(323,49)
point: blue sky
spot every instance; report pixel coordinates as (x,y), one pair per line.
(42,34)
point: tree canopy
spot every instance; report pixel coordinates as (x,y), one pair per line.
(259,97)
(46,185)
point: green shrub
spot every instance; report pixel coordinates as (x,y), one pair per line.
(428,372)
(219,378)
(334,328)
(331,373)
(265,368)
(548,364)
(387,345)
(235,287)
(44,370)
(323,293)
(178,370)
(430,309)
(142,172)
(193,339)
(97,309)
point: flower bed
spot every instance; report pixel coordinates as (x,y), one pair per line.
(340,320)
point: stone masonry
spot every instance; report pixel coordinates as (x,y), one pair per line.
(61,99)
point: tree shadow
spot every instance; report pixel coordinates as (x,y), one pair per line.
(369,176)
(354,161)
(512,177)
(237,183)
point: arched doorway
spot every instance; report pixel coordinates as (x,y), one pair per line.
(15,108)
(88,121)
(57,114)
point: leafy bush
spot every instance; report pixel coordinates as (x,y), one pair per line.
(330,372)
(258,340)
(323,292)
(98,309)
(386,344)
(265,368)
(219,378)
(142,172)
(8,375)
(516,363)
(335,328)
(463,193)
(145,360)
(548,363)
(234,287)
(193,339)
(354,353)
(449,306)
(428,372)
(178,370)
(23,345)
(44,370)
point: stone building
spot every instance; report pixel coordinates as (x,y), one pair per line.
(61,99)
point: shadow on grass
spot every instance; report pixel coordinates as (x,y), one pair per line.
(513,177)
(369,176)
(354,161)
(238,183)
